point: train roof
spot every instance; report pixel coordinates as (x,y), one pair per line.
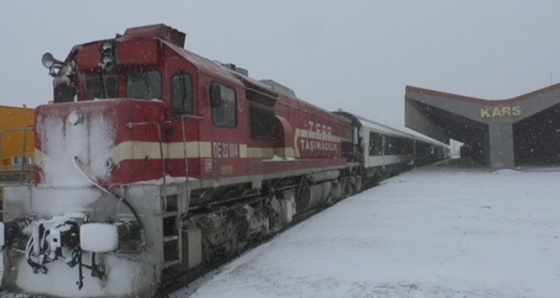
(382,128)
(376,126)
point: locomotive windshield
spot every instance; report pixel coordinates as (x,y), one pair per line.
(144,85)
(101,87)
(64,92)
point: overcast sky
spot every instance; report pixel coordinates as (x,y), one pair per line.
(349,54)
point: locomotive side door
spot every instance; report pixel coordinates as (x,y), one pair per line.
(184,148)
(226,129)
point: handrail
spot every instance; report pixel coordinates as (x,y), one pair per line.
(23,153)
(131,125)
(187,190)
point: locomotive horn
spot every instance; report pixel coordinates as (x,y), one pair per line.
(48,60)
(56,67)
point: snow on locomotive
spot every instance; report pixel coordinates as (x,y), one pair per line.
(154,162)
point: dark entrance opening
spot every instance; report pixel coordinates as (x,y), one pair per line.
(536,139)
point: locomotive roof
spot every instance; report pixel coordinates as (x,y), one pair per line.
(207,66)
(174,40)
(213,68)
(204,65)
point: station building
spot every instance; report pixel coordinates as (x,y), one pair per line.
(520,131)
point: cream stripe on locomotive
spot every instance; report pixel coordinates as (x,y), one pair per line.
(260,152)
(141,150)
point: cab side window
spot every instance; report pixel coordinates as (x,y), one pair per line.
(181,94)
(224,105)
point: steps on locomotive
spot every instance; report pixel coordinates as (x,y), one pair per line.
(172,234)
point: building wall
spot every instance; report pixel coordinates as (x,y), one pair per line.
(11,142)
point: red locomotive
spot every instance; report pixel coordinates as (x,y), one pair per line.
(154,162)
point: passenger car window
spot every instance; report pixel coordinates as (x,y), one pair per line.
(224,105)
(375,144)
(181,94)
(144,85)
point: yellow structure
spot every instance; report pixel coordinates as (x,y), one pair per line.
(17,146)
(17,139)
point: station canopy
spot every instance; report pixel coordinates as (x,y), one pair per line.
(519,131)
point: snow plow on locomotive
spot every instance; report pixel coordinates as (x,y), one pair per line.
(154,162)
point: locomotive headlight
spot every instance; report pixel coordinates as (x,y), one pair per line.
(107,47)
(76,117)
(108,54)
(108,62)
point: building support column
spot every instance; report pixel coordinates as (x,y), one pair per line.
(501,145)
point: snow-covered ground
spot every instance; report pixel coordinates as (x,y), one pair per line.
(437,232)
(432,232)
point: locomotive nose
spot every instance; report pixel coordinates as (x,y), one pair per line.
(85,131)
